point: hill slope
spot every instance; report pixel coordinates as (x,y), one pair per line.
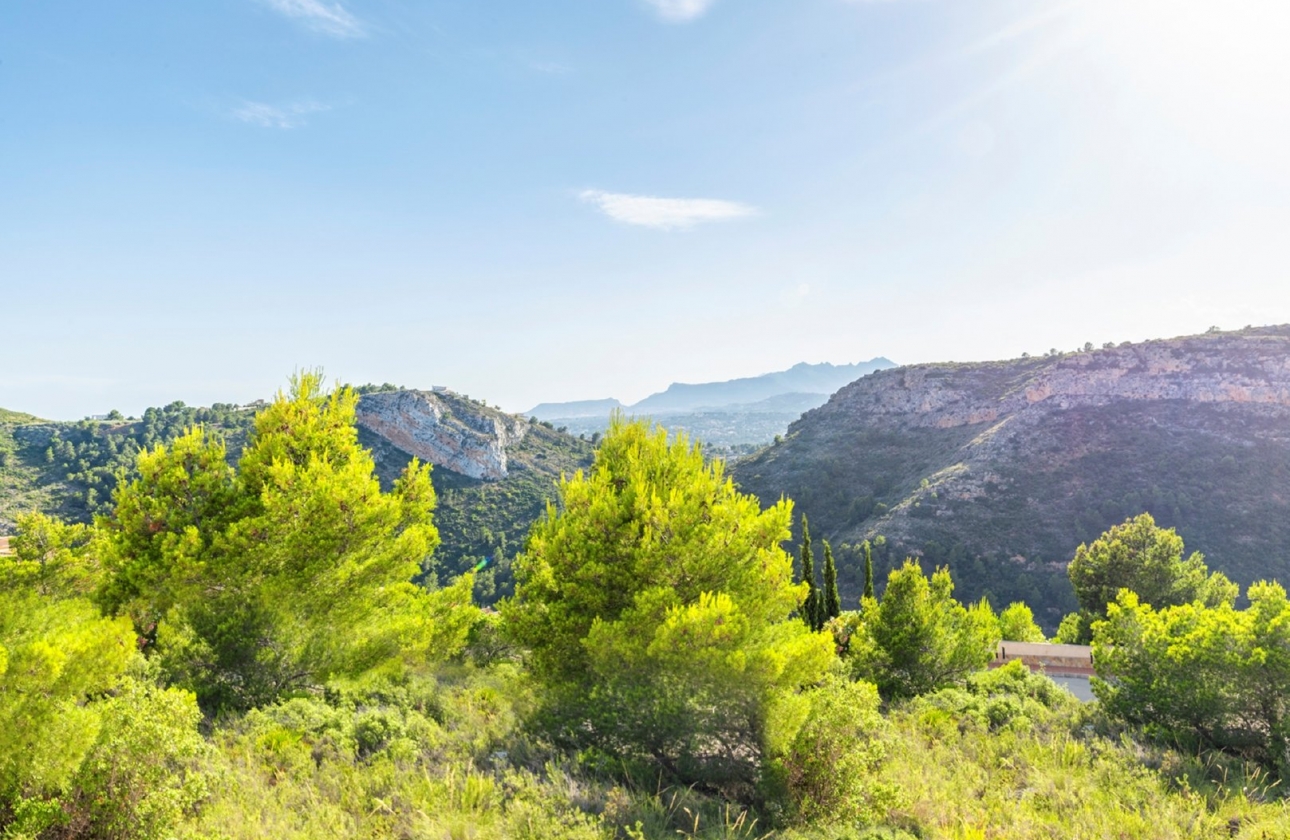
(7,416)
(69,469)
(1001,469)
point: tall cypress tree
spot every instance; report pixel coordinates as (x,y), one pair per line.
(868,570)
(832,602)
(810,607)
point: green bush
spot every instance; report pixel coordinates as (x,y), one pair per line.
(828,744)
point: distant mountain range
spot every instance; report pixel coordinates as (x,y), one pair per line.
(679,397)
(578,408)
(732,415)
(1001,469)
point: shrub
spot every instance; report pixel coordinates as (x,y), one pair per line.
(823,761)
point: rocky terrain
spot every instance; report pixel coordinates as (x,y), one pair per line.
(444,429)
(1001,469)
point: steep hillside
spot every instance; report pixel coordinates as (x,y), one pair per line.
(7,416)
(1001,469)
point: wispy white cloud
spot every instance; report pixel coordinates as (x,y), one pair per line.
(679,11)
(265,115)
(665,213)
(321,16)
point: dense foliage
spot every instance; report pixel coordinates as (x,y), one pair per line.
(1017,624)
(238,577)
(1147,560)
(78,466)
(1207,676)
(484,523)
(89,744)
(655,605)
(918,638)
(71,470)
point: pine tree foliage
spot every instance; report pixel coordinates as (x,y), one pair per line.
(1147,560)
(1017,624)
(655,607)
(811,604)
(868,570)
(86,743)
(1212,676)
(918,638)
(237,578)
(831,600)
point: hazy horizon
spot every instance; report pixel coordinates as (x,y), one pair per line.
(566,201)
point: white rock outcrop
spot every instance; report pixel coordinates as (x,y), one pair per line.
(444,430)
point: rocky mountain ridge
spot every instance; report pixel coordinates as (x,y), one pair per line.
(1220,368)
(1003,468)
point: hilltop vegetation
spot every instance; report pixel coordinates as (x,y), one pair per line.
(237,650)
(71,470)
(7,416)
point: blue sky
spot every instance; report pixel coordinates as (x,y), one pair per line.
(585,198)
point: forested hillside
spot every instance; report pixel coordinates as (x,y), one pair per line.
(1000,469)
(70,470)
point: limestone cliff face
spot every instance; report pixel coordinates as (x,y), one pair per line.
(445,430)
(1221,368)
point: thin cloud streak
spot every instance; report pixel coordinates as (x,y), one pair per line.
(1018,29)
(328,18)
(274,116)
(680,11)
(665,213)
(1046,56)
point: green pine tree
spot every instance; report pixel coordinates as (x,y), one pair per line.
(868,570)
(653,602)
(811,606)
(832,603)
